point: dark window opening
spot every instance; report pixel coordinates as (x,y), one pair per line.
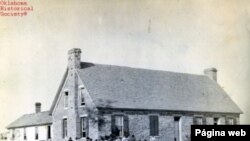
(36,133)
(64,128)
(24,134)
(36,136)
(216,121)
(154,125)
(66,103)
(13,136)
(82,100)
(49,132)
(177,118)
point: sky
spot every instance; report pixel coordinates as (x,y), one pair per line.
(173,35)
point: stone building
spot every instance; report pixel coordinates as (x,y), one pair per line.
(95,100)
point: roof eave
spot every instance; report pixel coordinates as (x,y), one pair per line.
(22,126)
(168,110)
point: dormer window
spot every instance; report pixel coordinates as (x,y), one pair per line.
(82,99)
(66,99)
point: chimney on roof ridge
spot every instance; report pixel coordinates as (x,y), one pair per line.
(211,73)
(38,107)
(74,58)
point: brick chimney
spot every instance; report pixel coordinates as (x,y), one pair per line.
(74,58)
(211,73)
(38,107)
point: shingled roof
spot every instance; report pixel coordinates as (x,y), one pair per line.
(134,88)
(35,119)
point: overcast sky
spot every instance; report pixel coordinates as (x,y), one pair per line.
(174,35)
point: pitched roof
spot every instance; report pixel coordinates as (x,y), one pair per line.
(35,119)
(134,88)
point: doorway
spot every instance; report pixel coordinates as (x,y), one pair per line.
(177,128)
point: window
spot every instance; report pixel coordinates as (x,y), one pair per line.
(84,127)
(82,100)
(231,121)
(24,134)
(13,134)
(154,125)
(49,132)
(66,102)
(216,121)
(64,128)
(199,121)
(120,125)
(36,133)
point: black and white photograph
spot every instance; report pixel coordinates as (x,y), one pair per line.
(122,70)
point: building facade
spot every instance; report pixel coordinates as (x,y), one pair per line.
(94,101)
(31,127)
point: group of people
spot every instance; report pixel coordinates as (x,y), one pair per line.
(117,138)
(132,138)
(113,138)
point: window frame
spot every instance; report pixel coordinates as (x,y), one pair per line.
(124,128)
(13,134)
(84,129)
(82,101)
(216,120)
(121,119)
(66,99)
(64,128)
(49,132)
(201,121)
(231,121)
(154,125)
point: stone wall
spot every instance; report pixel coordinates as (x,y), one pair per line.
(60,112)
(74,111)
(139,123)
